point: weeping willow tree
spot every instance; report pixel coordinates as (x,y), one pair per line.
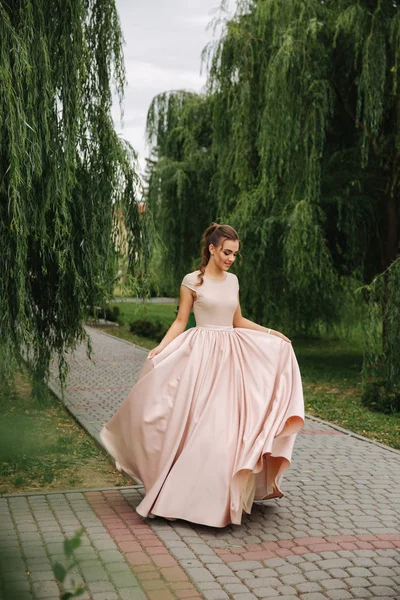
(64,174)
(305,143)
(179,182)
(306,130)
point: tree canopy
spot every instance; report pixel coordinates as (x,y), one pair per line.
(305,157)
(179,192)
(64,173)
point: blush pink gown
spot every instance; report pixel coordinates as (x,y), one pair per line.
(211,422)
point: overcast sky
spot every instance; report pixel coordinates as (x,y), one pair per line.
(163,44)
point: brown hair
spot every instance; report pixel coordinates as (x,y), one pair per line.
(214,234)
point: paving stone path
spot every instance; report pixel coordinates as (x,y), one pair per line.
(335,535)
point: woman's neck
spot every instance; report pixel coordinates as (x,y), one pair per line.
(214,272)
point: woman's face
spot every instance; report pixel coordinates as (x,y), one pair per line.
(225,255)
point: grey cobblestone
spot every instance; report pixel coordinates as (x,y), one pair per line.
(45,589)
(357,582)
(258,573)
(132,594)
(220,570)
(381,581)
(294,579)
(185,563)
(263,582)
(383,571)
(246,565)
(287,590)
(209,559)
(361,593)
(386,561)
(225,580)
(236,588)
(266,593)
(287,569)
(333,584)
(201,549)
(199,575)
(339,594)
(208,585)
(183,553)
(381,591)
(215,595)
(359,572)
(317,575)
(338,573)
(123,579)
(334,563)
(243,575)
(362,562)
(308,586)
(95,574)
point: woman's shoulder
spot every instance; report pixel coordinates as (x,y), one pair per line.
(191,279)
(232,277)
(193,276)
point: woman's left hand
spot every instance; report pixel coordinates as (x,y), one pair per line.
(279,334)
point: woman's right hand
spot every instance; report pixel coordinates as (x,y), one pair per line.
(155,351)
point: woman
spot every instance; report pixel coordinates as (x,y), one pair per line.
(211,422)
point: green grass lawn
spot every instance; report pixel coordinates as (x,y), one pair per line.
(330,371)
(43,448)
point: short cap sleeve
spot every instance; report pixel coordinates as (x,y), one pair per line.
(189,281)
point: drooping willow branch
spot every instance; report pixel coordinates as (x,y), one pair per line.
(64,173)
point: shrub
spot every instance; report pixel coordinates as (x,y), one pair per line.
(105,312)
(150,329)
(112,314)
(379,398)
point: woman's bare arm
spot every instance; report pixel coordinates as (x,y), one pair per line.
(186,297)
(240,321)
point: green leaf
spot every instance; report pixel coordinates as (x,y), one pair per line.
(59,572)
(68,547)
(67,595)
(73,543)
(79,591)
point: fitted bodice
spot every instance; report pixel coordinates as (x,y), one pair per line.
(216,301)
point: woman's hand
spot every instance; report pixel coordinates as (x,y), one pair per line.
(279,334)
(155,351)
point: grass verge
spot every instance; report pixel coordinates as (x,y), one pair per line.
(330,371)
(43,447)
(332,389)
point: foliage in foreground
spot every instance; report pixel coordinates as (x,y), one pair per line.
(64,174)
(61,572)
(302,158)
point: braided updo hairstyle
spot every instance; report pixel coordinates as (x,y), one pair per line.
(214,234)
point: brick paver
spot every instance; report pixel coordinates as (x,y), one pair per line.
(335,535)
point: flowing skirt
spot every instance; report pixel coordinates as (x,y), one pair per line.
(210,424)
